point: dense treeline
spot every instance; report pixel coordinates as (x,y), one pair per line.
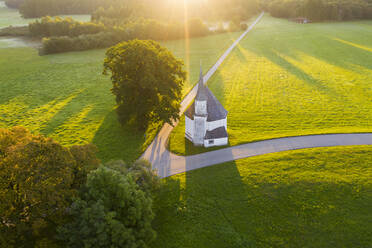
(39,8)
(14,3)
(320,10)
(15,31)
(62,35)
(53,196)
(48,27)
(166,10)
(83,42)
(159,9)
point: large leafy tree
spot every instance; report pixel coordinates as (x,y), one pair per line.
(141,172)
(147,82)
(38,179)
(112,211)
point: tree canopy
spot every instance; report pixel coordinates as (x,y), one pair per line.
(147,82)
(38,179)
(112,211)
(53,196)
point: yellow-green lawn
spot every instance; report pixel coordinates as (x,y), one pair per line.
(66,97)
(288,79)
(310,198)
(13,17)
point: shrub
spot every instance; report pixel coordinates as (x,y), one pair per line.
(48,27)
(14,31)
(233,27)
(80,43)
(197,28)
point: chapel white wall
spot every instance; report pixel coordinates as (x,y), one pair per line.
(201,107)
(217,142)
(216,124)
(189,124)
(200,125)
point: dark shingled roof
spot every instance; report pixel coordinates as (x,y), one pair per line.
(216,133)
(201,95)
(214,108)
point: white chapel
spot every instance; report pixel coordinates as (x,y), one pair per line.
(206,119)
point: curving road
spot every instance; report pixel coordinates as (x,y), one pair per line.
(168,164)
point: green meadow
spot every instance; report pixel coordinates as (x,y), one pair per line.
(66,97)
(309,198)
(288,79)
(12,17)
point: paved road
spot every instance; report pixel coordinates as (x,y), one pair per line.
(168,164)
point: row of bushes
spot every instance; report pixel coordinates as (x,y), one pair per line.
(143,29)
(15,31)
(321,10)
(39,8)
(14,3)
(48,27)
(114,16)
(159,9)
(139,28)
(155,30)
(62,38)
(53,196)
(83,42)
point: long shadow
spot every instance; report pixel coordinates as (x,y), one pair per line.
(210,209)
(217,83)
(273,56)
(360,57)
(168,209)
(262,203)
(71,109)
(334,52)
(316,40)
(117,142)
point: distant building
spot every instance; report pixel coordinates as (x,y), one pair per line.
(301,20)
(206,119)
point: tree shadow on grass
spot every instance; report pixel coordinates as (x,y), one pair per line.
(194,209)
(118,142)
(262,203)
(217,82)
(316,40)
(274,57)
(208,204)
(127,143)
(330,49)
(356,54)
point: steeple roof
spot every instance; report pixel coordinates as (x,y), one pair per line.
(201,95)
(215,110)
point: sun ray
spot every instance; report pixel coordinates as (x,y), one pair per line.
(187,37)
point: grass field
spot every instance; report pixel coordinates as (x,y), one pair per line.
(309,198)
(12,17)
(287,79)
(66,97)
